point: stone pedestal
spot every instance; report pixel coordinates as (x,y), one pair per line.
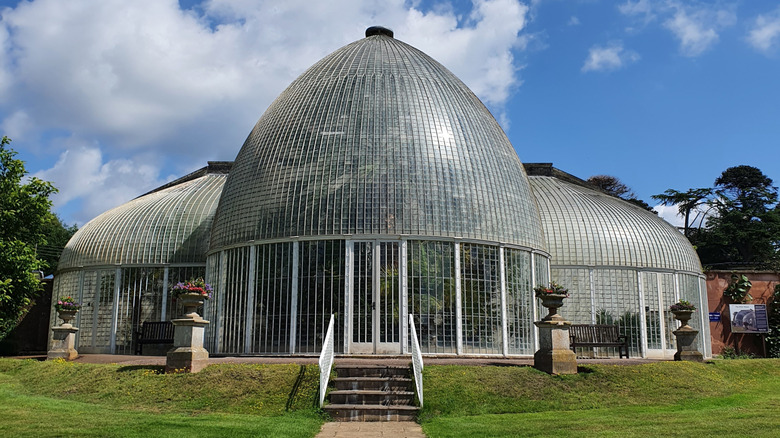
(554,355)
(188,354)
(63,345)
(686,349)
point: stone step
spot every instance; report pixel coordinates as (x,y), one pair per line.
(384,398)
(371,371)
(372,383)
(347,412)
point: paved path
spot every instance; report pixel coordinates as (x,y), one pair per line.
(359,429)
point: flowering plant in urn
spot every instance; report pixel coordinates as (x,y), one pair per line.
(682,305)
(67,304)
(197,286)
(553,289)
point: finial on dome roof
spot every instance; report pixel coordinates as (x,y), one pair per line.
(378,30)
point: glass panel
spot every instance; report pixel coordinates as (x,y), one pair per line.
(689,290)
(653,310)
(140,299)
(578,307)
(389,288)
(617,302)
(519,301)
(211,308)
(105,305)
(432,294)
(481,298)
(542,276)
(321,293)
(272,299)
(667,294)
(233,330)
(362,293)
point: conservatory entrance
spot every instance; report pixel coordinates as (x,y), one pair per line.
(374,322)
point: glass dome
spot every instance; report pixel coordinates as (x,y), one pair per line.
(377,138)
(622,264)
(122,264)
(375,187)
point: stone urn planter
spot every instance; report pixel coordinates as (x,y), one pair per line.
(188,354)
(63,342)
(686,335)
(683,316)
(191,302)
(554,355)
(552,302)
(67,316)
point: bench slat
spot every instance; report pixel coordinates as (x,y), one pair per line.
(598,335)
(154,332)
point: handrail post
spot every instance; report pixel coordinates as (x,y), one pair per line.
(417,360)
(326,360)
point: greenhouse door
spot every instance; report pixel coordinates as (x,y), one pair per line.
(374,319)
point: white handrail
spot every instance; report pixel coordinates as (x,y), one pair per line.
(326,360)
(417,360)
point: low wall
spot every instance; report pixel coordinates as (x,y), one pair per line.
(762,291)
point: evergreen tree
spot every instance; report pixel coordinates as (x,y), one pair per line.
(745,228)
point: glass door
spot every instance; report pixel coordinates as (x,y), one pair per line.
(375,318)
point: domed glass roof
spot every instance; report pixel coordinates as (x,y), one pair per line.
(377,138)
(170,225)
(585,227)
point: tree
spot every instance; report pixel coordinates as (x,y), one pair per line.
(686,202)
(24,208)
(744,225)
(613,186)
(57,236)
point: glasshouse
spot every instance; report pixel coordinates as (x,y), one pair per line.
(120,266)
(377,188)
(622,264)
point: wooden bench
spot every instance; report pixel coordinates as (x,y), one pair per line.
(598,335)
(153,332)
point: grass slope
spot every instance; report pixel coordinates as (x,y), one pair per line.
(67,399)
(734,397)
(660,399)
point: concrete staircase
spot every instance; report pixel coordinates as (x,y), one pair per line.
(372,393)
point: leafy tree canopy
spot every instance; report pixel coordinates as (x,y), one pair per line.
(742,226)
(687,202)
(24,210)
(613,186)
(57,235)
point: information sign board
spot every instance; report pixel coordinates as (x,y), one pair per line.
(748,318)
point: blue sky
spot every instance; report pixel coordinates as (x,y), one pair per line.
(111,99)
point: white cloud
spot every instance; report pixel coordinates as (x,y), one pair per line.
(573,21)
(764,35)
(695,25)
(610,57)
(81,174)
(16,125)
(641,8)
(694,35)
(148,78)
(670,214)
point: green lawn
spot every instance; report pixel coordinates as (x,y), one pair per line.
(40,399)
(723,398)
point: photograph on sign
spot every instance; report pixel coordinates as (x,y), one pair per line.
(748,318)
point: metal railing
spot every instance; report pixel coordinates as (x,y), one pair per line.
(326,360)
(417,360)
